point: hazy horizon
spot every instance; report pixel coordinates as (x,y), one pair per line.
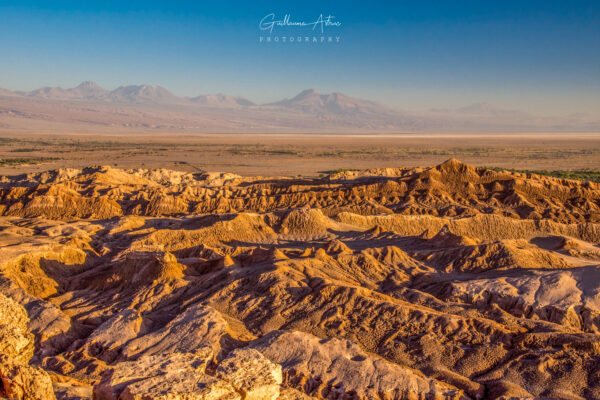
(457,107)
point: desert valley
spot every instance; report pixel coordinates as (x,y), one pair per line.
(446,281)
(269,200)
(207,201)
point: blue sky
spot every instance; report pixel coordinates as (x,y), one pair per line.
(538,56)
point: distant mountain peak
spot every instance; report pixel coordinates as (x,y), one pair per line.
(88,90)
(307,92)
(221,100)
(143,94)
(88,85)
(310,100)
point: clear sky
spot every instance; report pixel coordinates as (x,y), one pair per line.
(537,56)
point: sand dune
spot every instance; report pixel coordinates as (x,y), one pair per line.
(449,282)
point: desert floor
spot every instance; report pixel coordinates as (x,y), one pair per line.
(294,154)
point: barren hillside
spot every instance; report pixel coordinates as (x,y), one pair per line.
(448,282)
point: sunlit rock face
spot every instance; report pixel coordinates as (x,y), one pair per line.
(19,379)
(449,282)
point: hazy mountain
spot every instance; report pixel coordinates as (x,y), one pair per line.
(85,91)
(221,100)
(312,101)
(143,94)
(89,90)
(154,107)
(6,92)
(56,93)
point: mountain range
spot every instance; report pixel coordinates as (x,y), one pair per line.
(90,107)
(130,94)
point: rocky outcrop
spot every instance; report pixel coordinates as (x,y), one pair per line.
(334,369)
(448,190)
(244,374)
(196,328)
(106,341)
(23,382)
(251,374)
(18,379)
(165,376)
(15,340)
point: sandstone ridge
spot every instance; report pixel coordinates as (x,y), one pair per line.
(449,282)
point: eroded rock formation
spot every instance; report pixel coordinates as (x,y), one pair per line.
(450,282)
(19,380)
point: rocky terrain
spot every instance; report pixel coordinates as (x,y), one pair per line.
(448,282)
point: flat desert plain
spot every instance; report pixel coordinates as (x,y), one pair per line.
(294,154)
(299,267)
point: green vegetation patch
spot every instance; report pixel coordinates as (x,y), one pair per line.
(20,161)
(586,174)
(23,150)
(338,171)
